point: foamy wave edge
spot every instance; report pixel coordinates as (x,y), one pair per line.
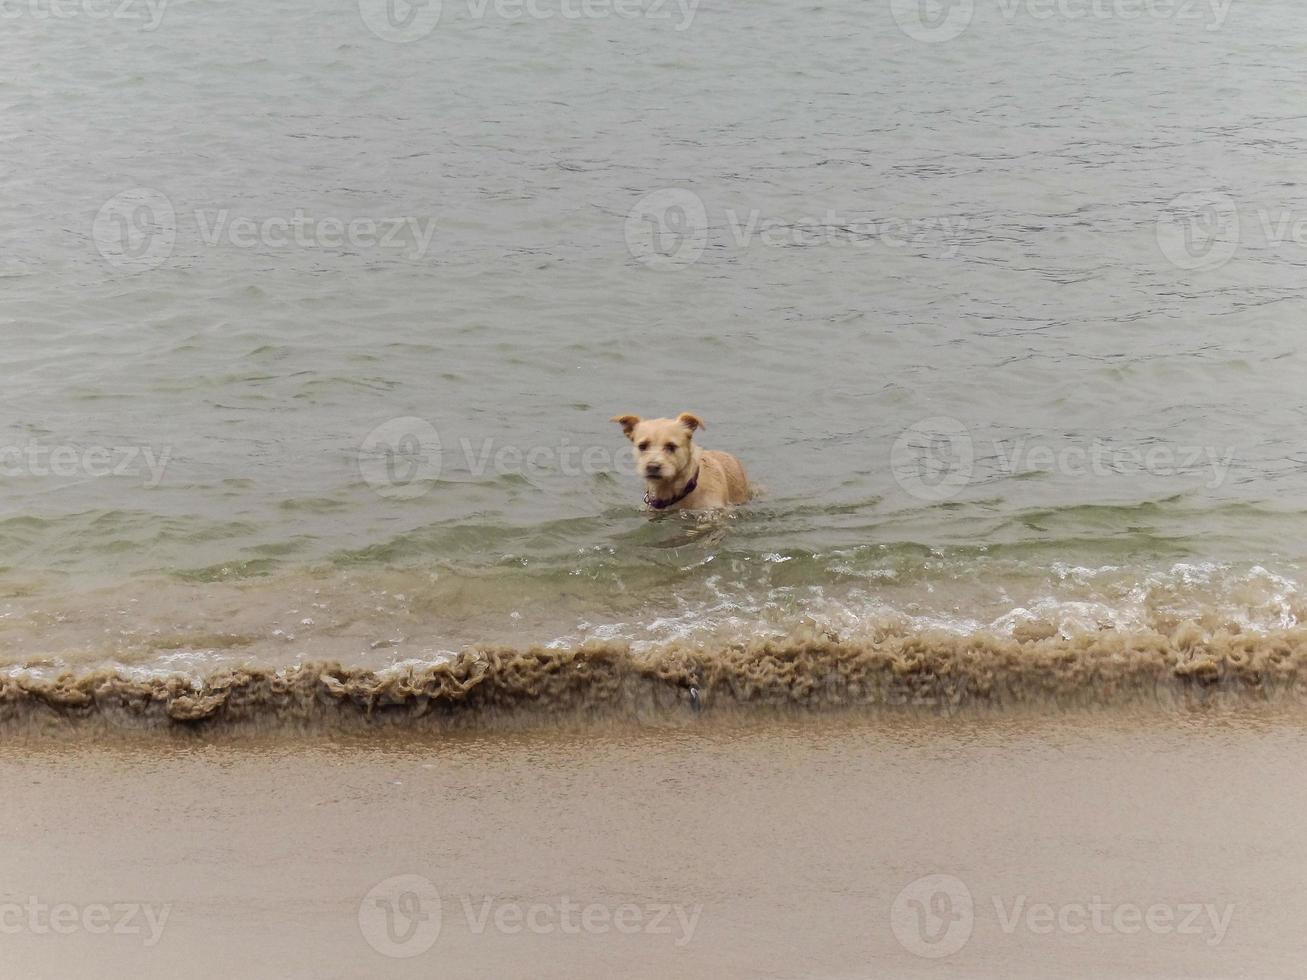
(489,686)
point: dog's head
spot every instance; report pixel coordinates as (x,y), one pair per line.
(663,447)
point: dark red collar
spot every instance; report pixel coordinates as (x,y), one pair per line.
(659,504)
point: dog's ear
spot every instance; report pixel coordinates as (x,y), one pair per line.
(691,422)
(627,422)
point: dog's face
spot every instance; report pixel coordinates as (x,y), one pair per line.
(663,447)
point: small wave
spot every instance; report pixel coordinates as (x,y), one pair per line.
(490,687)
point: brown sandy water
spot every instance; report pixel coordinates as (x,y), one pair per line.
(1086,844)
(487,688)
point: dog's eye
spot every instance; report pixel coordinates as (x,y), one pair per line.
(643,446)
(670,447)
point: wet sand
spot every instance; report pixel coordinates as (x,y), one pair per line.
(1164,844)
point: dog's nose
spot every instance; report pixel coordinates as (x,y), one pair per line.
(653,469)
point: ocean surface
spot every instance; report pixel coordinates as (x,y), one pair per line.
(314,316)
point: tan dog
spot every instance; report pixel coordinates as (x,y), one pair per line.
(678,474)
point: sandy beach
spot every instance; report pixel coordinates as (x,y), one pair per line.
(991,845)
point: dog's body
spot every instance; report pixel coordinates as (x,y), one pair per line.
(678,474)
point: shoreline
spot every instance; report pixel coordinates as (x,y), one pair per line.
(489,688)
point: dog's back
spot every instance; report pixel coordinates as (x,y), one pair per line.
(724,474)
